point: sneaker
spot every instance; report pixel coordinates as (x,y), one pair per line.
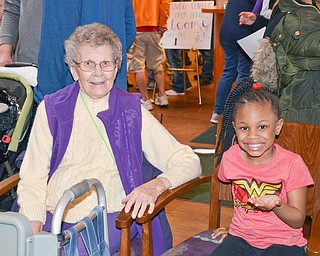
(214,118)
(147,104)
(161,101)
(151,86)
(173,93)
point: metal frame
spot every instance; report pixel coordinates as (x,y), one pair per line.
(16,232)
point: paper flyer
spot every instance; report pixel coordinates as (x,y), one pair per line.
(251,42)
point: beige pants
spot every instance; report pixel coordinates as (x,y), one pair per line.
(146,51)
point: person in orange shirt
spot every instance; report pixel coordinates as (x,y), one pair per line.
(151,22)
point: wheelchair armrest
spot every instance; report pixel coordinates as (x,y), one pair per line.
(9,183)
(124,220)
(313,247)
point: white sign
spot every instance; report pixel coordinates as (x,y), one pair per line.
(188,27)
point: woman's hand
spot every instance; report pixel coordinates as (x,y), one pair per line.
(266,203)
(247,18)
(145,195)
(222,232)
(36,226)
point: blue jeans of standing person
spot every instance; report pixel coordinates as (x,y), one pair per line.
(207,59)
(175,61)
(207,63)
(236,63)
(150,77)
(237,246)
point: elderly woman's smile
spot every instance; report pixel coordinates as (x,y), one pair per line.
(95,69)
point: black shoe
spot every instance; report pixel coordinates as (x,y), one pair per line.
(200,62)
(195,77)
(205,81)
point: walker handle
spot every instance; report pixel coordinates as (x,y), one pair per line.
(73,193)
(80,188)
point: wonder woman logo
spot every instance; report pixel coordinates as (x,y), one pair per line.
(243,190)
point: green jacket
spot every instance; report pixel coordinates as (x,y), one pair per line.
(296,41)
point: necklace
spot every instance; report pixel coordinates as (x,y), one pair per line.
(96,125)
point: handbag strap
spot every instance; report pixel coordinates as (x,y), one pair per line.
(99,226)
(71,248)
(89,237)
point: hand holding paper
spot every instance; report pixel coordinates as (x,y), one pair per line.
(247,18)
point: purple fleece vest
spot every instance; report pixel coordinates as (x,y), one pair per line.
(123,124)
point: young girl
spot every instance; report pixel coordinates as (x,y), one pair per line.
(269,183)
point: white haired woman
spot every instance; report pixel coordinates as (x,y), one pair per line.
(93,129)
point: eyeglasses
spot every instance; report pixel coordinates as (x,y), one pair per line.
(89,65)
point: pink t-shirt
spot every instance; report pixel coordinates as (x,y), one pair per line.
(284,173)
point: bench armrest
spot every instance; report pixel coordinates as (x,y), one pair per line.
(124,220)
(9,183)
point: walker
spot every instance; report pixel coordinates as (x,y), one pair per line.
(16,233)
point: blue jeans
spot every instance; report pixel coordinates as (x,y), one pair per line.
(207,62)
(237,246)
(150,76)
(236,63)
(71,248)
(175,61)
(207,58)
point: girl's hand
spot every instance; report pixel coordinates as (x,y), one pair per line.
(222,232)
(247,18)
(266,203)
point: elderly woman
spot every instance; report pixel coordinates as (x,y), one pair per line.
(93,129)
